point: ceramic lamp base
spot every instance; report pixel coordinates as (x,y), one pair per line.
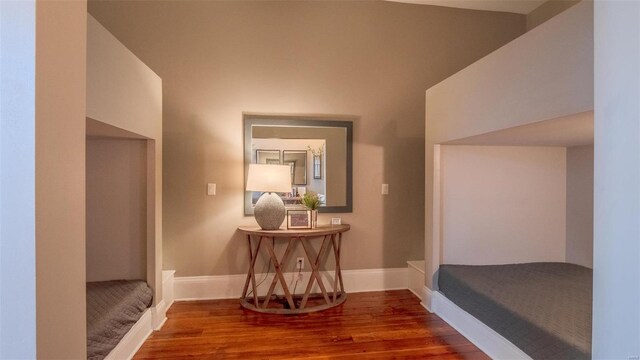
(269,211)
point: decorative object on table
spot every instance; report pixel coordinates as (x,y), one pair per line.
(299,158)
(302,190)
(317,161)
(267,156)
(270,179)
(298,219)
(312,202)
(336,221)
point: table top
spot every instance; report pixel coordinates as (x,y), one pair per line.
(284,232)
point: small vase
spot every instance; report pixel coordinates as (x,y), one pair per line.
(314,219)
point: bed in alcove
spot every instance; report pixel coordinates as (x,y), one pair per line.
(113,308)
(509,185)
(542,308)
(118,294)
(124,198)
(516,241)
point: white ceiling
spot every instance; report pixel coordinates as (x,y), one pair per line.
(512,6)
(572,130)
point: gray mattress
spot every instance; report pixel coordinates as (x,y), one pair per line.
(113,307)
(542,308)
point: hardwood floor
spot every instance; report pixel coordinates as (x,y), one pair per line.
(372,325)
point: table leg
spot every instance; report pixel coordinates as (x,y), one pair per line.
(251,274)
(315,272)
(285,257)
(336,253)
(340,269)
(280,276)
(246,282)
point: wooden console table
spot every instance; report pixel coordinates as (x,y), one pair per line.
(331,237)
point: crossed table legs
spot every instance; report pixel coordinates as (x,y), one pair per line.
(261,304)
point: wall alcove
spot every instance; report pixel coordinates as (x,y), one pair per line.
(509,175)
(116,183)
(124,118)
(522,194)
(516,96)
(124,196)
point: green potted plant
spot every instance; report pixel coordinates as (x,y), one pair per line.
(311,201)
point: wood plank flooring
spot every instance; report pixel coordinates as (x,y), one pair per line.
(372,325)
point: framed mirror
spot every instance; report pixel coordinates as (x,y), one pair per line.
(319,151)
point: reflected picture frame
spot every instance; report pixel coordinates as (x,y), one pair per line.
(317,167)
(292,165)
(298,219)
(299,159)
(271,156)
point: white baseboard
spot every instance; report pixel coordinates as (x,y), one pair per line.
(159,314)
(415,277)
(485,338)
(375,279)
(427,299)
(133,340)
(231,286)
(160,310)
(167,286)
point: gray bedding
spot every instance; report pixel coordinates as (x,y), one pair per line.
(542,308)
(113,307)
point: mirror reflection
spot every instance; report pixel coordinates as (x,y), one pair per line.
(297,160)
(267,157)
(317,151)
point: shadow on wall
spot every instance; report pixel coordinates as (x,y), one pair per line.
(197,155)
(403,207)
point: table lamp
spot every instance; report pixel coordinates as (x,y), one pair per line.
(269,210)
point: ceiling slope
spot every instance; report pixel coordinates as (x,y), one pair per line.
(511,6)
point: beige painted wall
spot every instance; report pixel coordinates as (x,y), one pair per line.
(544,74)
(60,175)
(580,205)
(123,92)
(372,60)
(548,10)
(116,209)
(503,204)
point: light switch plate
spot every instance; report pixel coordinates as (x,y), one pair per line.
(385,189)
(211,189)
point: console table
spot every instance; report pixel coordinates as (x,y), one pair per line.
(331,237)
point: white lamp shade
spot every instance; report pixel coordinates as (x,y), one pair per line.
(269,178)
